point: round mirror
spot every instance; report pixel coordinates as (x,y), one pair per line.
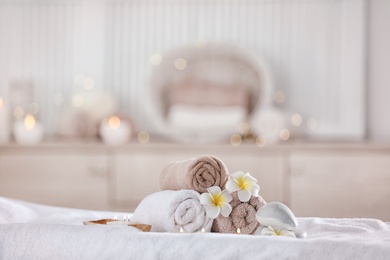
(203,93)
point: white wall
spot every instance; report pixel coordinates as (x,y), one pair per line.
(378,91)
(379,70)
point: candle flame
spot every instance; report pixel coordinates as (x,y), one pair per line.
(202,230)
(29,121)
(238,231)
(181,230)
(143,137)
(284,134)
(114,122)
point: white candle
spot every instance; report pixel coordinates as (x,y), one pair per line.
(4,122)
(118,222)
(115,131)
(28,131)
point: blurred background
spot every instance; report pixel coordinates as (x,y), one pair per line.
(200,72)
(63,60)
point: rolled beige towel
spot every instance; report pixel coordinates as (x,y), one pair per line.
(243,216)
(195,174)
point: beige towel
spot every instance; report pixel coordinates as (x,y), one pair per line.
(195,174)
(243,216)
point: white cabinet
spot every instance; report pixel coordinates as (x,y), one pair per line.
(332,180)
(59,176)
(341,183)
(136,173)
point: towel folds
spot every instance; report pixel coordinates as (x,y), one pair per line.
(195,174)
(168,211)
(243,216)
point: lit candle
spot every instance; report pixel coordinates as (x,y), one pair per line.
(115,131)
(4,122)
(238,231)
(181,230)
(126,223)
(202,230)
(28,131)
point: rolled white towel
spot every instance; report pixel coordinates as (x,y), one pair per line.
(168,211)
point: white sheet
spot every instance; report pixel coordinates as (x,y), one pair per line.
(57,233)
(16,211)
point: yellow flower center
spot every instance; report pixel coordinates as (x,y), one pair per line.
(243,183)
(278,232)
(217,199)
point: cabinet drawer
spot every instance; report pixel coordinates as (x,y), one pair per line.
(341,184)
(69,179)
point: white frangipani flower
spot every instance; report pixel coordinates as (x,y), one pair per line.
(216,202)
(245,184)
(277,231)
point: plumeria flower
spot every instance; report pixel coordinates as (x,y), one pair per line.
(245,184)
(276,231)
(216,202)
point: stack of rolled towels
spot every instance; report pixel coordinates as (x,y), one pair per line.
(177,206)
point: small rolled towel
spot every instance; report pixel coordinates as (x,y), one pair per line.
(169,210)
(243,216)
(194,174)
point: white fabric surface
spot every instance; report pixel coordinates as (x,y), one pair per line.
(169,210)
(56,233)
(16,211)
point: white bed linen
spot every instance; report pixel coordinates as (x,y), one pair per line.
(44,232)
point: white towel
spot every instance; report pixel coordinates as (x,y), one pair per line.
(169,210)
